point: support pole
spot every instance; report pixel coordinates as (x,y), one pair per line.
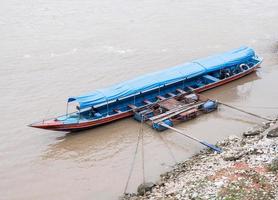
(183,85)
(211,146)
(78,116)
(67,111)
(107,107)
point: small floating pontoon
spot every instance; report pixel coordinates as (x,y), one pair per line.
(169,87)
(174,110)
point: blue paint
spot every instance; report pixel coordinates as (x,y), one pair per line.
(168,76)
(209,106)
(158,127)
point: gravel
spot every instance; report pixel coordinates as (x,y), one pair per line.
(247,169)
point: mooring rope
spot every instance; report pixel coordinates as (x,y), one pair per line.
(140,136)
(142,153)
(255,115)
(168,148)
(238,109)
(258,107)
(133,161)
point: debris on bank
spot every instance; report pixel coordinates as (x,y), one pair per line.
(247,169)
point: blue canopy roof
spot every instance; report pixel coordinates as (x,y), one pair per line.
(167,76)
(234,57)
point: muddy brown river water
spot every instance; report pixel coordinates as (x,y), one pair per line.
(50,50)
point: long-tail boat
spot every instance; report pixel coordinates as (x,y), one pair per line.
(122,100)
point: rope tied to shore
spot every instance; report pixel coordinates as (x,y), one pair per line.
(168,148)
(238,109)
(142,153)
(133,161)
(139,137)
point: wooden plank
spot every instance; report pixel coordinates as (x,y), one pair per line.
(170,114)
(190,88)
(193,110)
(181,91)
(170,104)
(147,102)
(174,111)
(171,94)
(132,106)
(211,78)
(160,97)
(117,111)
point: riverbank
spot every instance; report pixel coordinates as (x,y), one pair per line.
(247,169)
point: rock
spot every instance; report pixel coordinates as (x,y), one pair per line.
(233,138)
(160,182)
(194,195)
(255,151)
(274,165)
(145,187)
(266,125)
(219,183)
(232,156)
(130,196)
(252,133)
(246,161)
(273,133)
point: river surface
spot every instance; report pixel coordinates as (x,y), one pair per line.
(51,49)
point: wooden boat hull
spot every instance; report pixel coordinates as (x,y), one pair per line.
(60,126)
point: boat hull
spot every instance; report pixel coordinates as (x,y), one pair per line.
(59,126)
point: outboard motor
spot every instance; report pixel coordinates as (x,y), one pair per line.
(209,106)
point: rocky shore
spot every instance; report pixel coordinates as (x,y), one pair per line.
(247,169)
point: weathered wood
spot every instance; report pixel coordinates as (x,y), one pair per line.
(132,106)
(210,78)
(117,111)
(170,104)
(180,91)
(160,97)
(147,102)
(174,112)
(171,94)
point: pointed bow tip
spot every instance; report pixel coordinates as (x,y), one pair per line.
(35,125)
(32,125)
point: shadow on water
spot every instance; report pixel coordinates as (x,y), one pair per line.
(98,143)
(235,90)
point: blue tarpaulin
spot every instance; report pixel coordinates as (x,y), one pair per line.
(167,76)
